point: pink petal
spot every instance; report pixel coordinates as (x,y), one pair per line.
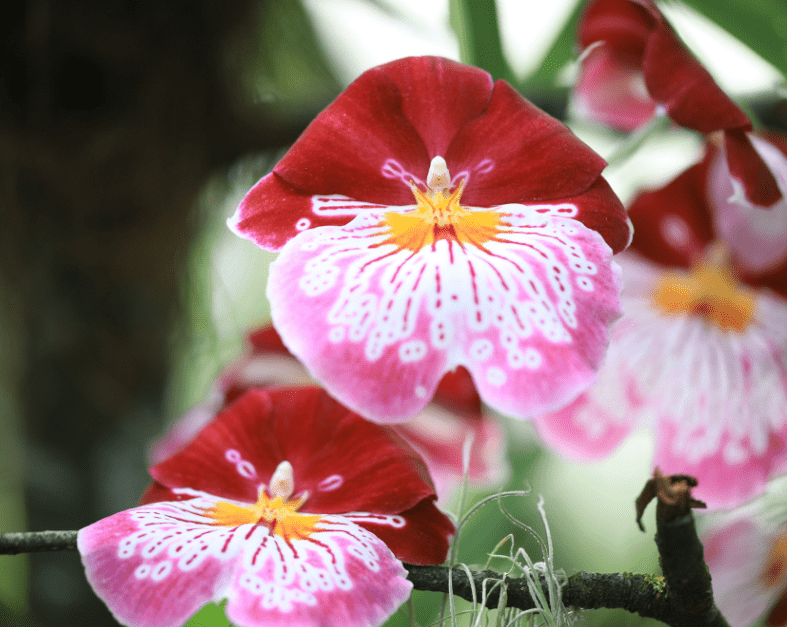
(379,326)
(612,91)
(736,554)
(340,575)
(758,237)
(149,565)
(338,457)
(734,472)
(157,565)
(542,160)
(586,429)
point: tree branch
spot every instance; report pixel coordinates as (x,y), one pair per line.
(37,542)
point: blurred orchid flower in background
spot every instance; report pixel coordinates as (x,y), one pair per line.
(746,553)
(287,505)
(701,351)
(633,67)
(429,219)
(438,433)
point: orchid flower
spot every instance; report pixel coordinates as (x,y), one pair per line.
(428,219)
(287,505)
(438,433)
(700,354)
(746,553)
(633,66)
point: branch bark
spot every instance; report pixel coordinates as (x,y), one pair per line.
(681,598)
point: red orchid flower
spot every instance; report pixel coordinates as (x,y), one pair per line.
(428,219)
(700,353)
(634,65)
(289,506)
(438,433)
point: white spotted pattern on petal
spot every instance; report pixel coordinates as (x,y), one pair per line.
(522,283)
(283,573)
(708,381)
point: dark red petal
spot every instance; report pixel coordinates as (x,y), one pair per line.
(748,168)
(423,540)
(677,80)
(322,440)
(600,209)
(267,340)
(457,392)
(270,211)
(777,617)
(439,97)
(344,149)
(516,151)
(156,493)
(622,24)
(672,225)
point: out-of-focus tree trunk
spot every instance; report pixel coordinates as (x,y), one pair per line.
(112,115)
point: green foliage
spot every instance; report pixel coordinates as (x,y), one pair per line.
(761,25)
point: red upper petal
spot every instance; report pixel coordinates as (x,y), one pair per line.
(267,340)
(530,156)
(750,170)
(637,32)
(457,392)
(677,80)
(601,210)
(344,149)
(269,213)
(672,225)
(622,24)
(322,440)
(439,97)
(423,540)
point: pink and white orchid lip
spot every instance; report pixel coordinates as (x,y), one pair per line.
(285,505)
(707,373)
(378,310)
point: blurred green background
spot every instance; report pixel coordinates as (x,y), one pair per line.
(128,134)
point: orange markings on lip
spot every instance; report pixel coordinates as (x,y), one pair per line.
(439,216)
(709,289)
(280,516)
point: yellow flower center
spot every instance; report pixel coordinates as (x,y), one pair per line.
(439,215)
(276,512)
(709,289)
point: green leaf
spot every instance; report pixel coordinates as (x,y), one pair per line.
(476,27)
(760,24)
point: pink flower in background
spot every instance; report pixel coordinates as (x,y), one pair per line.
(701,351)
(633,66)
(438,433)
(457,224)
(289,506)
(747,560)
